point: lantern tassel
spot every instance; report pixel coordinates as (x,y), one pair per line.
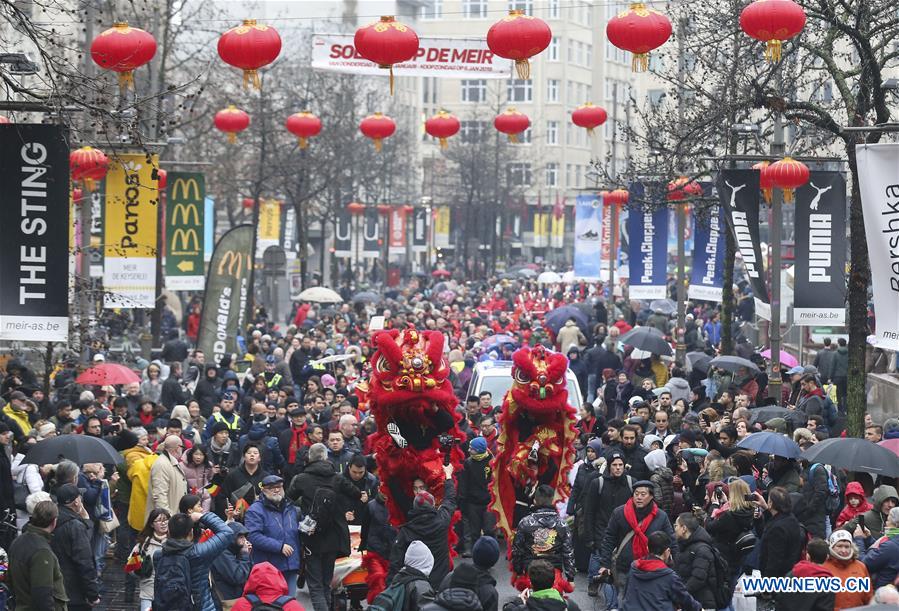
(788,196)
(513,138)
(391,79)
(89,184)
(252,76)
(640,62)
(774,50)
(443,143)
(523,67)
(303,142)
(589,131)
(126,80)
(768,194)
(378,145)
(232,138)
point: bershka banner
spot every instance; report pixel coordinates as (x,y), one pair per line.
(706,279)
(878,180)
(647,231)
(588,211)
(397,241)
(371,234)
(442,222)
(34,172)
(465,58)
(738,191)
(227,288)
(130,232)
(343,235)
(184,233)
(269,233)
(420,230)
(289,240)
(819,280)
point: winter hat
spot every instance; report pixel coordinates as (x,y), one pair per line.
(669,439)
(479,445)
(217,427)
(656,459)
(485,552)
(750,481)
(139,431)
(328,381)
(777,425)
(648,440)
(423,499)
(418,556)
(838,536)
(635,400)
(67,493)
(596,445)
(124,441)
(644,483)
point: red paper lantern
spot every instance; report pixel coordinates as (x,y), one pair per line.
(384,208)
(355,208)
(512,123)
(162,179)
(377,127)
(303,125)
(639,30)
(232,121)
(122,49)
(386,42)
(589,117)
(772,22)
(766,182)
(788,174)
(681,188)
(250,46)
(518,36)
(617,197)
(248,203)
(88,164)
(442,126)
(408,209)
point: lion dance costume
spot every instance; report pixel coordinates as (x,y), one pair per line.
(413,404)
(536,440)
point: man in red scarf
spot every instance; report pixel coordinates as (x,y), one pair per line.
(626,536)
(294,442)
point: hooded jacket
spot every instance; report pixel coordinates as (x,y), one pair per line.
(725,529)
(207,391)
(680,389)
(875,521)
(475,579)
(268,584)
(543,535)
(599,505)
(335,539)
(849,512)
(454,599)
(231,568)
(570,335)
(71,542)
(696,567)
(377,533)
(272,459)
(272,526)
(586,473)
(807,601)
(845,569)
(814,496)
(418,587)
(428,525)
(781,545)
(474,481)
(34,574)
(654,586)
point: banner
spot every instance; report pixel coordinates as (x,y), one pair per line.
(185,212)
(397,240)
(557,231)
(420,230)
(819,279)
(458,58)
(343,235)
(208,229)
(34,269)
(588,229)
(739,193)
(541,229)
(878,179)
(706,279)
(371,234)
(647,231)
(269,225)
(289,235)
(227,289)
(442,226)
(130,235)
(97,200)
(672,230)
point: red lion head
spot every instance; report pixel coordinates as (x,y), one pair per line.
(538,379)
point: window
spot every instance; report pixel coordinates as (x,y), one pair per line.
(614,54)
(571,51)
(522,5)
(554,11)
(588,55)
(569,175)
(519,174)
(579,176)
(474,90)
(552,133)
(524,137)
(552,90)
(553,51)
(552,174)
(432,9)
(429,90)
(472,131)
(520,90)
(474,9)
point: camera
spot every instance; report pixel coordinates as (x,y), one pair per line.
(308,526)
(748,498)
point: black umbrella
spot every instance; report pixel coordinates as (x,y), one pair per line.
(771,443)
(854,454)
(764,414)
(648,339)
(733,364)
(699,361)
(80,449)
(586,308)
(366,297)
(555,319)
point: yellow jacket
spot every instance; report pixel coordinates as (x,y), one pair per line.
(139,474)
(20,418)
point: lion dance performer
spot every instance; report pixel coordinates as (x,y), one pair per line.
(413,404)
(536,441)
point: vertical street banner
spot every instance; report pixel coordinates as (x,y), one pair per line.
(208,228)
(371,233)
(739,194)
(557,231)
(34,269)
(878,179)
(606,236)
(289,234)
(541,228)
(96,200)
(130,236)
(184,231)
(819,279)
(397,224)
(706,277)
(647,231)
(343,235)
(442,219)
(587,232)
(227,289)
(269,233)
(419,230)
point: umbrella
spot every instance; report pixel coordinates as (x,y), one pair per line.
(320,294)
(665,306)
(441,273)
(890,444)
(107,373)
(498,340)
(649,339)
(854,454)
(327,312)
(446,296)
(366,297)
(548,278)
(785,358)
(334,358)
(80,449)
(764,414)
(568,276)
(586,308)
(733,363)
(555,319)
(526,273)
(698,361)
(771,443)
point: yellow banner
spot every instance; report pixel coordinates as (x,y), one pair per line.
(557,232)
(541,229)
(441,226)
(130,237)
(270,220)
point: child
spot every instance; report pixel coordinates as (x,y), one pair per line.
(150,541)
(856,503)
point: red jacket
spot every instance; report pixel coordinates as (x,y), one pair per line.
(268,584)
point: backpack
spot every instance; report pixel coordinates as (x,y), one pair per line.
(601,479)
(391,599)
(721,586)
(829,412)
(834,500)
(172,584)
(276,605)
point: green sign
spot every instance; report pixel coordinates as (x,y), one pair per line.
(184,217)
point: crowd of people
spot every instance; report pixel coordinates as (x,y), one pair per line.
(240,480)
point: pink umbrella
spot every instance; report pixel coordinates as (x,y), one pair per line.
(785,358)
(891,444)
(107,373)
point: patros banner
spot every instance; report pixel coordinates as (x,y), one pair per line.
(647,231)
(466,58)
(706,280)
(878,180)
(34,171)
(184,231)
(819,281)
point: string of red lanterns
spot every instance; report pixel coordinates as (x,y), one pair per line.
(682,188)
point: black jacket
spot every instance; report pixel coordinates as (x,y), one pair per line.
(238,478)
(207,392)
(618,529)
(586,473)
(541,604)
(470,577)
(696,567)
(71,543)
(543,534)
(781,545)
(455,599)
(726,529)
(418,589)
(377,533)
(335,539)
(635,466)
(474,481)
(655,587)
(598,506)
(598,358)
(813,511)
(428,525)
(172,393)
